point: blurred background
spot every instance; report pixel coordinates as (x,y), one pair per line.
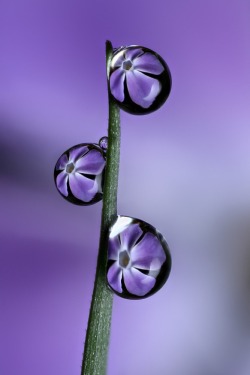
(185,169)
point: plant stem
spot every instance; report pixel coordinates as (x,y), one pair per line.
(98,331)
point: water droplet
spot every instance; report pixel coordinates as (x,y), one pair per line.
(139,260)
(78,174)
(139,79)
(103,143)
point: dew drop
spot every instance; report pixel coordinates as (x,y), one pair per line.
(139,260)
(84,186)
(103,143)
(139,79)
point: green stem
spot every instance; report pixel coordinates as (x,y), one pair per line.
(98,331)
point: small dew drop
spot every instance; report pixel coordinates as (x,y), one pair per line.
(103,143)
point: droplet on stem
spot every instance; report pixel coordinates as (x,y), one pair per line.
(139,79)
(139,260)
(79,172)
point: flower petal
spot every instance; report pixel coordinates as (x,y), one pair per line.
(148,63)
(137,283)
(62,162)
(148,254)
(77,152)
(130,235)
(142,89)
(117,84)
(61,183)
(113,248)
(91,163)
(133,53)
(82,187)
(114,277)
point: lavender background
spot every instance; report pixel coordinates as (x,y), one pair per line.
(185,169)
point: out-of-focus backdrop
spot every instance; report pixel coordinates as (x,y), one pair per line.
(185,169)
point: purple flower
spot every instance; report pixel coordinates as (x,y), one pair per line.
(137,258)
(80,174)
(134,66)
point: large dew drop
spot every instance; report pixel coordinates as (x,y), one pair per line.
(139,260)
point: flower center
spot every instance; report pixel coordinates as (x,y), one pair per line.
(70,167)
(124,259)
(127,65)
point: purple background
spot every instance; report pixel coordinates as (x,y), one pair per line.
(185,169)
